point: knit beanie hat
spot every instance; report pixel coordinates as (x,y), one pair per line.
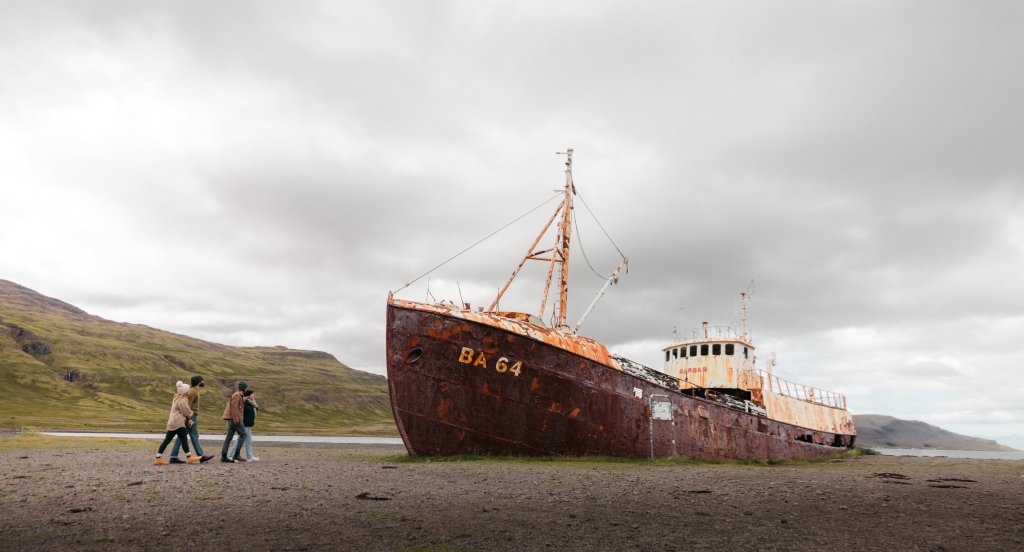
(196,379)
(242,386)
(182,387)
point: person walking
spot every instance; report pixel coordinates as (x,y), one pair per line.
(233,415)
(193,431)
(181,415)
(249,409)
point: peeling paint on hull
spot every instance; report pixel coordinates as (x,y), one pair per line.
(560,403)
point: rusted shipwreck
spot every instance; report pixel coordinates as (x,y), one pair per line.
(485,381)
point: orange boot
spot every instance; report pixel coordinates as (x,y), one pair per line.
(159,461)
(192,459)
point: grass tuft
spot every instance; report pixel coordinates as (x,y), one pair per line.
(30,440)
(611,461)
(410,459)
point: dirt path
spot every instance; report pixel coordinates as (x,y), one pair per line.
(349,497)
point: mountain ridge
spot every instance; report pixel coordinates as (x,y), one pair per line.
(878,430)
(63,367)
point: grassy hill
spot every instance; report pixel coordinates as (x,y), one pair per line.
(874,430)
(61,367)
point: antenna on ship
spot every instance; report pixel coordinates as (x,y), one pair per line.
(743,318)
(682,322)
(744,300)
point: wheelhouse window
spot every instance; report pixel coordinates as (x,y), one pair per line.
(682,352)
(703,350)
(730,349)
(675,353)
(693,350)
(716,349)
(745,353)
(668,356)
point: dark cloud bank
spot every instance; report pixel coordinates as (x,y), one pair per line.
(258,174)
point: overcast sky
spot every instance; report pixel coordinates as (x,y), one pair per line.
(262,173)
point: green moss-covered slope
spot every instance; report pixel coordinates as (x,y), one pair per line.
(61,367)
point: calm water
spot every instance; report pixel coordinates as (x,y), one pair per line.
(255,438)
(361,440)
(986,455)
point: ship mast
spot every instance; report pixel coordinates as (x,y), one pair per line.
(559,253)
(563,290)
(743,326)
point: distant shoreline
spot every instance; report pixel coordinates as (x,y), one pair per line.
(951,453)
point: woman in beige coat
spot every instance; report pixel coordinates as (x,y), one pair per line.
(181,416)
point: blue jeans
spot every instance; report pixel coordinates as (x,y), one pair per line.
(233,428)
(247,438)
(193,433)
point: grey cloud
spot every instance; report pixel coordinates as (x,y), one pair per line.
(249,173)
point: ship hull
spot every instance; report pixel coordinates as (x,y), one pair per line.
(456,388)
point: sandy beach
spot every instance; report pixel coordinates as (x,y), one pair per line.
(363,497)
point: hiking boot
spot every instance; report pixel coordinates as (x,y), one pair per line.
(227,460)
(206,458)
(160,461)
(175,460)
(192,459)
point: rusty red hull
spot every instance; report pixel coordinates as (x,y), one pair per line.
(447,401)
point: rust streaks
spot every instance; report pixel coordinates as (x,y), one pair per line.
(442,408)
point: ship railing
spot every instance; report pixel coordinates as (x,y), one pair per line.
(715,332)
(799,391)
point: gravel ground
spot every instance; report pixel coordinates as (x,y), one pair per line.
(354,497)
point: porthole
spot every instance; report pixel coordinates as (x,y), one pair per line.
(413,355)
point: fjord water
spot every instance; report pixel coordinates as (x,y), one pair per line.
(981,454)
(371,440)
(348,439)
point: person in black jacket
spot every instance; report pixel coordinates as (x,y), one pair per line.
(250,408)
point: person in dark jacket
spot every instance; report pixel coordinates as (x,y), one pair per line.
(249,410)
(233,415)
(193,432)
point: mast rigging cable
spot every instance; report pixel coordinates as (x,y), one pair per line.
(481,240)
